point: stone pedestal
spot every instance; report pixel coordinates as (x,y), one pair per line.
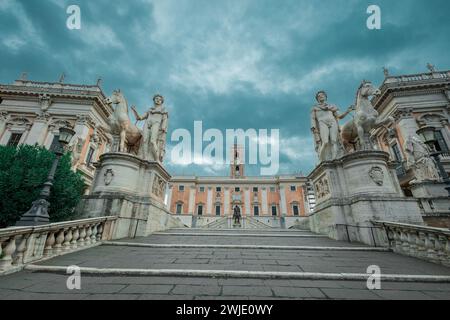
(131,189)
(434,202)
(353,191)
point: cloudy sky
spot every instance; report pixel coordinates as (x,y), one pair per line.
(230,63)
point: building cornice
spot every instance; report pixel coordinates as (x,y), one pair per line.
(407,85)
(30,90)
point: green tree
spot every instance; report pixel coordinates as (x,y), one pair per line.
(23,170)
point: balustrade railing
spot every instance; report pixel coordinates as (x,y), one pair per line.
(22,245)
(419,77)
(427,243)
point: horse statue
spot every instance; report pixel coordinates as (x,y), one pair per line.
(120,125)
(365,119)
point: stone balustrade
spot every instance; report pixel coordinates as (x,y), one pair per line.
(22,245)
(427,243)
(418,77)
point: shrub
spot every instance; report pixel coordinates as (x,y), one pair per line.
(23,170)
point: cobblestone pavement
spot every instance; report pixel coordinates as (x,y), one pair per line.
(51,285)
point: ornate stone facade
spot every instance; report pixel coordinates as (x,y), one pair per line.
(32,112)
(415,101)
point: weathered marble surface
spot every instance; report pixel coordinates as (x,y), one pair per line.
(353,191)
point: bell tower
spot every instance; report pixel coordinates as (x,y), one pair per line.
(237,163)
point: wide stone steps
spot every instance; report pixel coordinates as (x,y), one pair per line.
(230,264)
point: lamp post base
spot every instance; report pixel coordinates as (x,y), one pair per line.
(36,216)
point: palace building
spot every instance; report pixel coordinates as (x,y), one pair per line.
(263,201)
(416,101)
(32,112)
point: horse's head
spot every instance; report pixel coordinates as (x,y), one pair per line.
(367,89)
(115,98)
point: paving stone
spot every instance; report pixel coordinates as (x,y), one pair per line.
(165,297)
(150,289)
(290,292)
(196,290)
(402,295)
(441,295)
(237,298)
(354,294)
(112,297)
(257,291)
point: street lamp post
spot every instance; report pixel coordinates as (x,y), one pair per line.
(428,135)
(38,213)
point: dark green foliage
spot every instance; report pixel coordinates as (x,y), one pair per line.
(23,170)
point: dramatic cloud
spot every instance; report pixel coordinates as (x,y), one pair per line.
(230,63)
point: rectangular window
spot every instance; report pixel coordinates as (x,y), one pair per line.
(441,144)
(397,153)
(272,189)
(255,189)
(256,211)
(293,188)
(295,209)
(181,188)
(237,189)
(200,210)
(202,189)
(55,143)
(14,139)
(179,208)
(274,210)
(217,210)
(218,189)
(90,156)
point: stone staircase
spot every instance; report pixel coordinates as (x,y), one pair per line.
(225,263)
(227,222)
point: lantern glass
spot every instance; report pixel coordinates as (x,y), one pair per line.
(65,135)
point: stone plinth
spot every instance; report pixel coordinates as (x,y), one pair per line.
(429,189)
(133,190)
(353,191)
(434,202)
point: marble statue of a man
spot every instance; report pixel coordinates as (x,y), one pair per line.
(154,131)
(325,128)
(418,158)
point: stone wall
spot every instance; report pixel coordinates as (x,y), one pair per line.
(136,216)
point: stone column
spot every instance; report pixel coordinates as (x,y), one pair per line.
(264,203)
(3,120)
(283,201)
(226,201)
(247,201)
(209,201)
(38,131)
(191,207)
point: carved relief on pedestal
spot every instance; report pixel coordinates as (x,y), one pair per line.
(159,186)
(322,187)
(108,176)
(377,175)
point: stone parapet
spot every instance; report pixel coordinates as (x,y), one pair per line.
(22,245)
(427,243)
